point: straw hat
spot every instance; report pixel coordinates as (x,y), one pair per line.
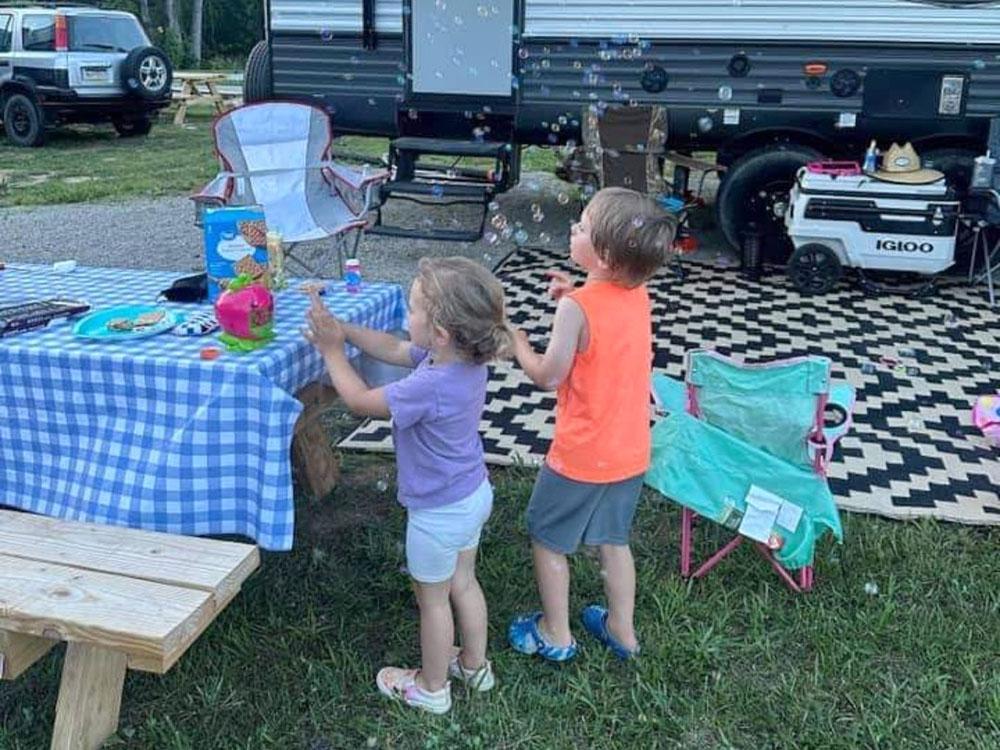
(901,164)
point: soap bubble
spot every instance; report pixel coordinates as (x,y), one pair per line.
(871,588)
(499,221)
(437,191)
(491,238)
(523,53)
(520,237)
(538,218)
(638,222)
(544,238)
(562,199)
(381,485)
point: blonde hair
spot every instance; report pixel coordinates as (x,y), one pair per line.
(630,232)
(467,301)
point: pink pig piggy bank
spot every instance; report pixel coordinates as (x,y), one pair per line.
(246,310)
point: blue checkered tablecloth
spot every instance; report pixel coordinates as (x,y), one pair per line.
(145,433)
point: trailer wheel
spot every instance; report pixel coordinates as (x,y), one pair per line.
(956,163)
(257,85)
(755,191)
(814,269)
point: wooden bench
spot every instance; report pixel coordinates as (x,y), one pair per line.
(120,598)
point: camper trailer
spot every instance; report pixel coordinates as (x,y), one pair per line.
(768,85)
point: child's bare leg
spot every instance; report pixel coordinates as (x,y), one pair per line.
(552,574)
(618,571)
(470,609)
(437,634)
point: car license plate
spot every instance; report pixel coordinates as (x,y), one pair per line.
(96,74)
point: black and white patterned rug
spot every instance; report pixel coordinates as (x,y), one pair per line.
(918,365)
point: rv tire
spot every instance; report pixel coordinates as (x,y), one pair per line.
(257,77)
(755,184)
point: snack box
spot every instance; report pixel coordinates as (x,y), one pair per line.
(235,243)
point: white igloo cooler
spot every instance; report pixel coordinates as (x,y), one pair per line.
(838,220)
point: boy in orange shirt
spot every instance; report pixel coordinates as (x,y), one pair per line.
(599,361)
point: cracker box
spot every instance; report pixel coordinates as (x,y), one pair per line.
(235,243)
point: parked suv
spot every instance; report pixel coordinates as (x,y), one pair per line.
(66,63)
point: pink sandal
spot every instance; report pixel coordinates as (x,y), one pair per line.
(401,684)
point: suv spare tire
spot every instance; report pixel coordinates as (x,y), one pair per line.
(147,73)
(257,76)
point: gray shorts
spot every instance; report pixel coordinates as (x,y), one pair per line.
(563,512)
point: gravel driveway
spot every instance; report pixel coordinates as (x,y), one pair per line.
(160,233)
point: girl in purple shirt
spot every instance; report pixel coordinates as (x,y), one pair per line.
(457,324)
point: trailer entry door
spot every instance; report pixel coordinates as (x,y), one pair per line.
(461,48)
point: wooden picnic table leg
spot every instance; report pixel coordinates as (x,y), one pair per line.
(187,91)
(217,100)
(90,696)
(314,458)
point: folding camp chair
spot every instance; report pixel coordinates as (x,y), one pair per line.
(277,155)
(735,432)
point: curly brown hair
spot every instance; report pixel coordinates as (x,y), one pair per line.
(467,301)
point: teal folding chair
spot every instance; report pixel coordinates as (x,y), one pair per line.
(731,426)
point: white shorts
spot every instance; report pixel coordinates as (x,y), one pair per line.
(435,536)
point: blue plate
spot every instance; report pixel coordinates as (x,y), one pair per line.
(95,325)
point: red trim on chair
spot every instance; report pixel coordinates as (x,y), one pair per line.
(692,401)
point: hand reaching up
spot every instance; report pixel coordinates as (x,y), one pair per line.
(559,284)
(323,330)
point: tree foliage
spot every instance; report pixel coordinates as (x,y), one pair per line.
(230,28)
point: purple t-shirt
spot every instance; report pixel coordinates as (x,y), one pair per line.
(435,427)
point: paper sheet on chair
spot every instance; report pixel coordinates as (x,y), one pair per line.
(764,510)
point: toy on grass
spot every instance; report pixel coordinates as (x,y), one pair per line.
(245,312)
(986,416)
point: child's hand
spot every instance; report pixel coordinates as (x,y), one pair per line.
(521,343)
(323,330)
(559,284)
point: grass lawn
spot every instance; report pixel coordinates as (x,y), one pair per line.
(90,163)
(734,661)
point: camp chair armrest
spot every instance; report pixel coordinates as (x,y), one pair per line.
(669,394)
(841,396)
(358,190)
(216,192)
(357,179)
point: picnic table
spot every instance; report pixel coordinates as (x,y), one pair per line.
(145,433)
(202,87)
(120,598)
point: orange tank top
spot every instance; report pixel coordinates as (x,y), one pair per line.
(602,407)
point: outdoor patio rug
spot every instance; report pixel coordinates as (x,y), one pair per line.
(912,452)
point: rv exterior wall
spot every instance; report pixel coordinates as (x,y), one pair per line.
(902,21)
(335,16)
(760,20)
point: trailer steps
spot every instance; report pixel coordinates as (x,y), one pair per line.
(435,185)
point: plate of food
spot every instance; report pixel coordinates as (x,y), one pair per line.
(125,322)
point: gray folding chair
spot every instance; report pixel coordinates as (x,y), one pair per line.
(277,155)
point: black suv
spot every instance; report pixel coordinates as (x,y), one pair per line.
(70,63)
